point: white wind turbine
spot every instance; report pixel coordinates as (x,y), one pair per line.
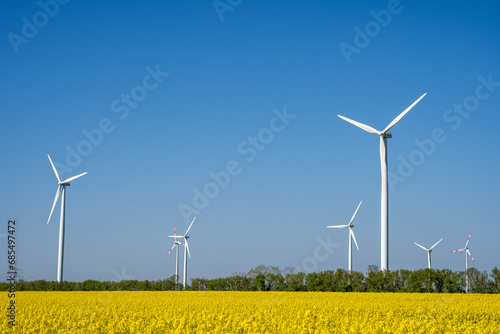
(384,216)
(429,251)
(62,185)
(186,250)
(176,243)
(467,254)
(351,235)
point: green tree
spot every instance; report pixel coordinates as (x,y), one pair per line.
(427,278)
(450,281)
(296,282)
(258,277)
(274,278)
(415,282)
(357,281)
(404,276)
(374,279)
(340,281)
(478,281)
(259,282)
(199,284)
(495,284)
(313,282)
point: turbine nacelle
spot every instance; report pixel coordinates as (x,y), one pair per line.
(351,234)
(185,237)
(384,133)
(60,184)
(176,243)
(465,249)
(429,251)
(467,254)
(384,214)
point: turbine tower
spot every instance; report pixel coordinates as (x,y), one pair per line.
(62,185)
(176,243)
(186,250)
(384,216)
(467,254)
(351,235)
(429,251)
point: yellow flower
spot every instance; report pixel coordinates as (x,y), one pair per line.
(252,312)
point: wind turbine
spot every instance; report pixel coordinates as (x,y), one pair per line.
(351,235)
(176,243)
(62,185)
(467,252)
(428,252)
(384,216)
(186,250)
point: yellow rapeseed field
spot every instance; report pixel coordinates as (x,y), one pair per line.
(252,312)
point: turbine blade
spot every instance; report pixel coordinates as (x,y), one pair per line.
(74,177)
(189,227)
(397,119)
(54,168)
(421,246)
(354,215)
(187,247)
(55,201)
(174,230)
(435,244)
(176,236)
(458,250)
(467,240)
(360,125)
(468,252)
(171,248)
(337,226)
(353,237)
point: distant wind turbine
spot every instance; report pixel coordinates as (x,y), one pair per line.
(351,235)
(186,250)
(62,185)
(429,251)
(176,243)
(384,216)
(467,254)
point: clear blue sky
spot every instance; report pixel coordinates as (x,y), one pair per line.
(87,65)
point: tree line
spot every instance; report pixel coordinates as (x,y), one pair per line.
(270,278)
